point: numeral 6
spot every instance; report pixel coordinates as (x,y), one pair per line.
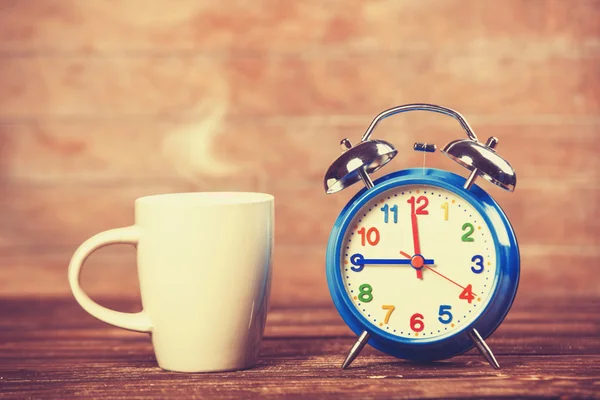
(416,322)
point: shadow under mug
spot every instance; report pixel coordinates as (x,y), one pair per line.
(204,266)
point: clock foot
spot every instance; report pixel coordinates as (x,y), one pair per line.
(483,348)
(356,349)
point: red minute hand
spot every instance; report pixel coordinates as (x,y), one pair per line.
(417,245)
(415,231)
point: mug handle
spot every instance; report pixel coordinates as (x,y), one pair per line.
(133,321)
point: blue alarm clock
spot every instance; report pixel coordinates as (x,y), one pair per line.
(422,264)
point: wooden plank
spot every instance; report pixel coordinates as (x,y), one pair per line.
(48,348)
(95,26)
(294,86)
(531,312)
(275,149)
(547,380)
(63,216)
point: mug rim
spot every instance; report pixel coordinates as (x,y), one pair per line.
(207,198)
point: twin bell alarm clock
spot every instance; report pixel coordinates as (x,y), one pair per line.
(422,264)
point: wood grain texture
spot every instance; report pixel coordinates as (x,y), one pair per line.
(53,26)
(294,86)
(52,349)
(298,149)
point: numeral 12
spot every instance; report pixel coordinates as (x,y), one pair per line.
(421,209)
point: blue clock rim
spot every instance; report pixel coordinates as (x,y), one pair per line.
(507,276)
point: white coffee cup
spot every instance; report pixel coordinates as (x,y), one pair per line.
(204,265)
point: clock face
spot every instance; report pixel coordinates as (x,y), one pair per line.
(419,262)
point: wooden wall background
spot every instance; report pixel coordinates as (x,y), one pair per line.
(105,101)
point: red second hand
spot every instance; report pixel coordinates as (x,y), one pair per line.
(443,276)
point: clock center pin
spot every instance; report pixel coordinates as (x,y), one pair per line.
(417,261)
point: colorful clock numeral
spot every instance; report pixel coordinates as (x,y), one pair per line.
(370,236)
(365,293)
(445,207)
(467,294)
(468,228)
(358,261)
(386,209)
(478,260)
(390,310)
(416,322)
(445,314)
(421,209)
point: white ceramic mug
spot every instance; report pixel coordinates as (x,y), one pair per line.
(204,265)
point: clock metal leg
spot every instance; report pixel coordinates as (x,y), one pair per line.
(356,349)
(483,348)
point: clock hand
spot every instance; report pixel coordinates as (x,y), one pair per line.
(431,269)
(416,243)
(466,294)
(359,260)
(445,277)
(415,232)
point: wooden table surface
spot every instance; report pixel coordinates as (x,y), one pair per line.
(547,347)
